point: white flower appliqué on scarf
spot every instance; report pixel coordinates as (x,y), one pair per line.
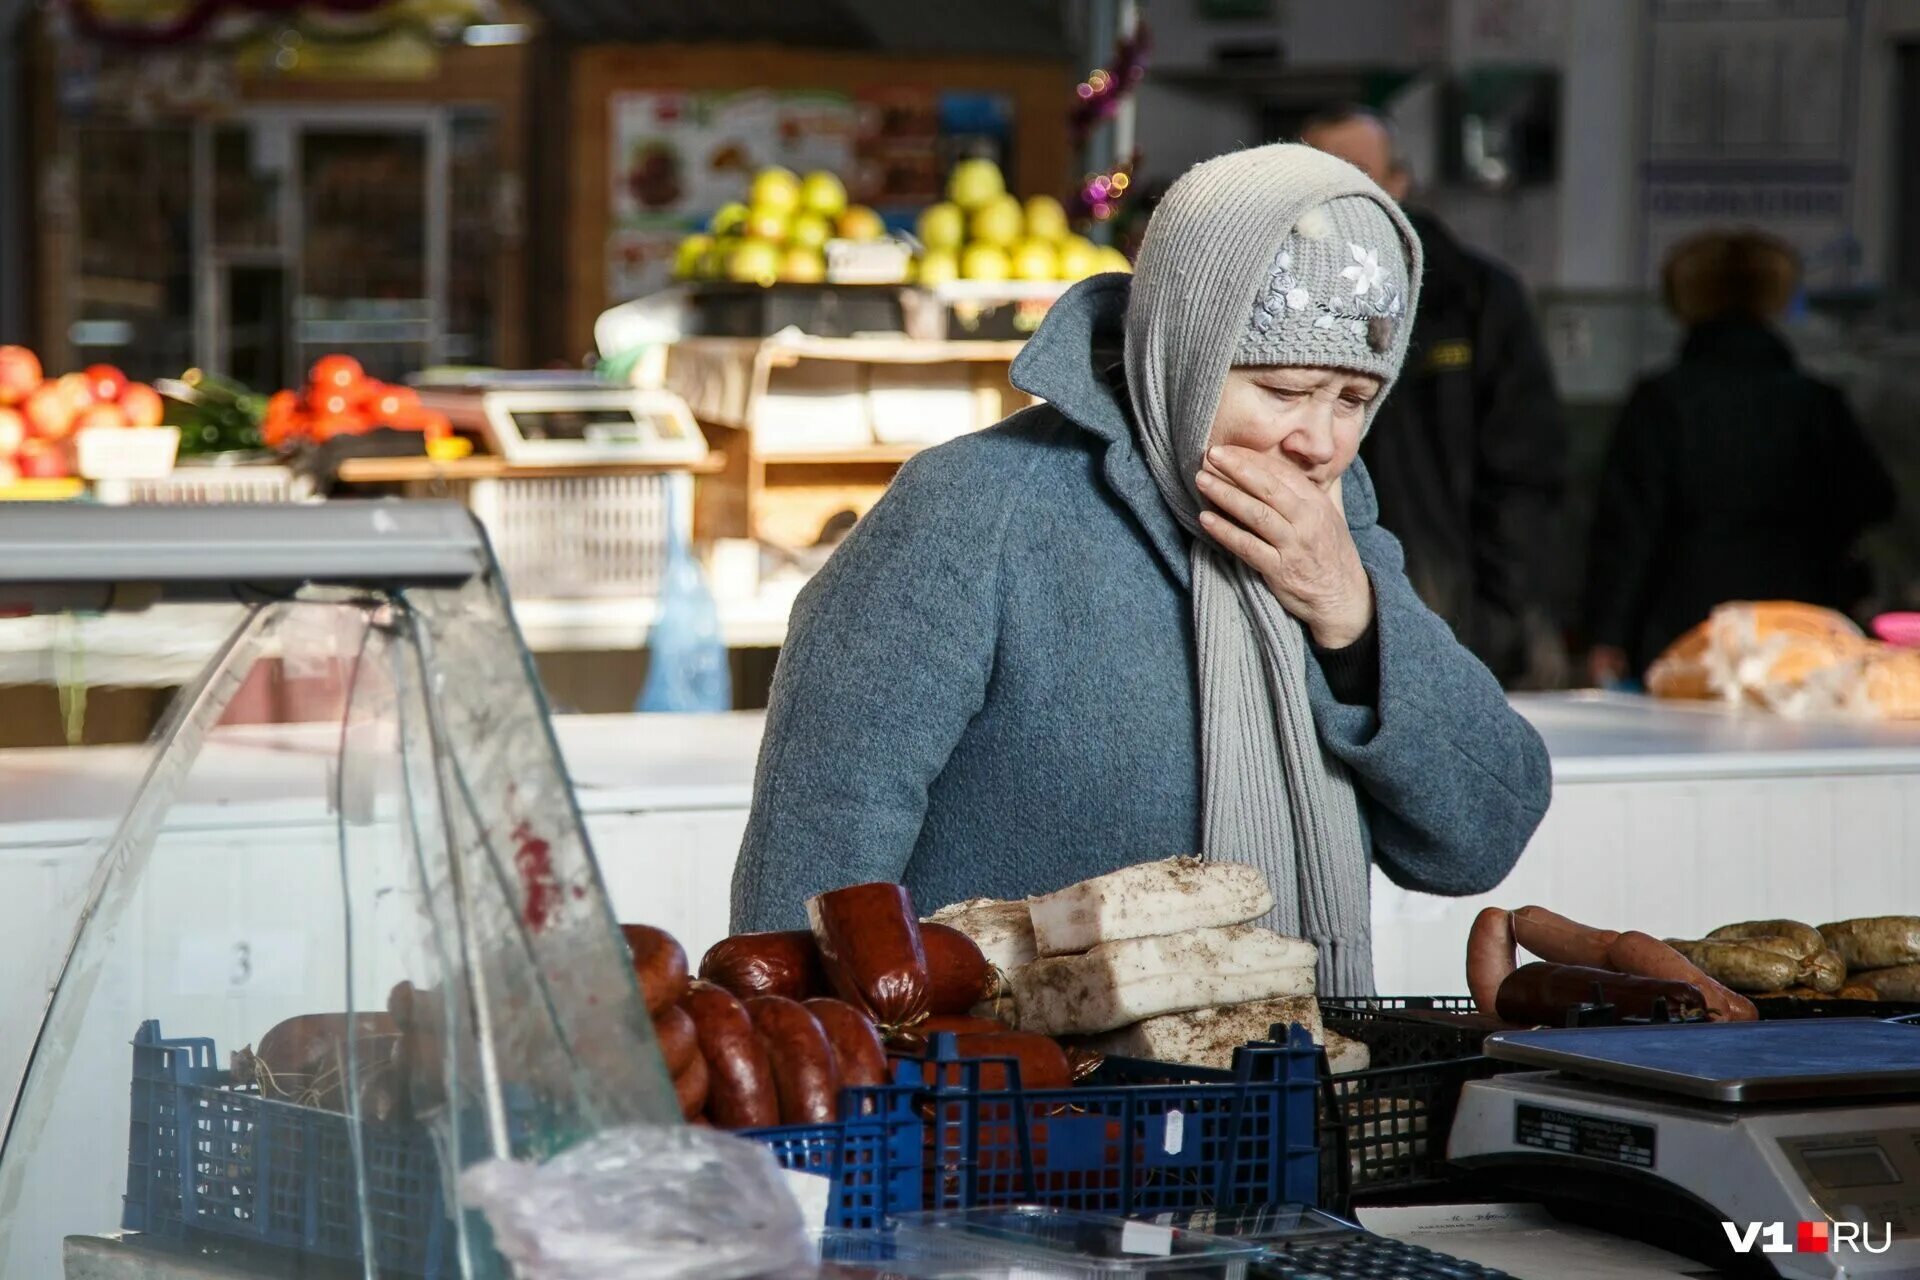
(1365,271)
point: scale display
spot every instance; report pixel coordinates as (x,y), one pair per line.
(574,421)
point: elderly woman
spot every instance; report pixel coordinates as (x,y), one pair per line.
(1155,615)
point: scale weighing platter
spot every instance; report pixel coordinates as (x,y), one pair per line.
(1732,1062)
(564,417)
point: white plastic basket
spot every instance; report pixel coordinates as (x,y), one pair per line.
(126,453)
(206,485)
(581,536)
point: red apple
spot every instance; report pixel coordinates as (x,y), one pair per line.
(19,374)
(100,417)
(13,430)
(43,460)
(49,412)
(76,388)
(141,405)
(106,382)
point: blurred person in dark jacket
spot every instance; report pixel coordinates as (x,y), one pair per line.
(1733,474)
(1470,454)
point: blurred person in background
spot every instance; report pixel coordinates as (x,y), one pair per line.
(1470,455)
(1733,474)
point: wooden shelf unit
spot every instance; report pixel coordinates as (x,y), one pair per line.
(750,397)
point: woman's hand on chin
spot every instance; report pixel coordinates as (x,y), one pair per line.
(1293,533)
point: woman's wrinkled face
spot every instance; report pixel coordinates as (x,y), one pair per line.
(1312,417)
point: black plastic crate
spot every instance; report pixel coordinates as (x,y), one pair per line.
(1384,1130)
(1886,1010)
(1395,1034)
(819,310)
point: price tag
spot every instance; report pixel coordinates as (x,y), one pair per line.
(1146,1239)
(1176,1140)
(813,1191)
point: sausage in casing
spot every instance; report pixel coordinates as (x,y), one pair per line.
(741,1092)
(678,1038)
(804,1073)
(659,963)
(1489,956)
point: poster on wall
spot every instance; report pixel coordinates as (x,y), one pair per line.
(911,136)
(678,156)
(1751,123)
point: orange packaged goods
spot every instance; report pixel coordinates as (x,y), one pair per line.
(871,949)
(1889,684)
(1796,660)
(1684,670)
(766,964)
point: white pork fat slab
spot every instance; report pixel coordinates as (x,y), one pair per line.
(1151,899)
(1117,983)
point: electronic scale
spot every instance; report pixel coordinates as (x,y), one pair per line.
(1667,1132)
(566,417)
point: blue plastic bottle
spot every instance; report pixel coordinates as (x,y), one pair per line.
(687,659)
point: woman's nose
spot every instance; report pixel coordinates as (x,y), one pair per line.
(1310,444)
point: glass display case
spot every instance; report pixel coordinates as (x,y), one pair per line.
(281,1051)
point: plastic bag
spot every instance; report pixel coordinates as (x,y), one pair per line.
(643,1203)
(687,656)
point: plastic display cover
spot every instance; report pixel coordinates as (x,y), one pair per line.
(304,923)
(1063,1243)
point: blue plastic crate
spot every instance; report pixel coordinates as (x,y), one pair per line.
(1139,1137)
(273,1173)
(872,1160)
(202,1157)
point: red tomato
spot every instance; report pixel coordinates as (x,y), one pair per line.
(106,382)
(336,373)
(393,405)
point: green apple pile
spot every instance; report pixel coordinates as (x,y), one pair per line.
(979,232)
(780,235)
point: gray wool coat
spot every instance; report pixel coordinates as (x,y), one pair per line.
(989,690)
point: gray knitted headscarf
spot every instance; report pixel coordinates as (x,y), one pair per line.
(1274,255)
